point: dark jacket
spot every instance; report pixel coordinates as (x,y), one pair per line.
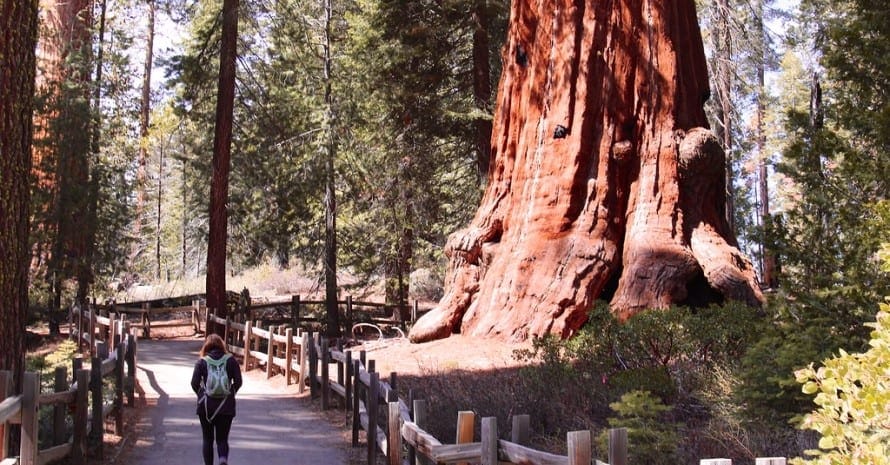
(200,374)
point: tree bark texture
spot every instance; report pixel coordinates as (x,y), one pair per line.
(140,244)
(482,86)
(222,146)
(18,37)
(61,158)
(605,181)
(332,311)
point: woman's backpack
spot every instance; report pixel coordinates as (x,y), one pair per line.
(217,383)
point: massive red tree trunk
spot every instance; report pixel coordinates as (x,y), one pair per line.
(605,182)
(222,146)
(18,36)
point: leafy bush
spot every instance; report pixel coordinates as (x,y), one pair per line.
(654,441)
(853,397)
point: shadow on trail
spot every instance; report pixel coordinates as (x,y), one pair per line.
(157,415)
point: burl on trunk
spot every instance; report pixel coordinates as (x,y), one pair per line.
(604,181)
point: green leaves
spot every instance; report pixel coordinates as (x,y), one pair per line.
(853,399)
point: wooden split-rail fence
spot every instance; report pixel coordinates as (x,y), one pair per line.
(84,400)
(355,315)
(390,423)
(97,321)
(393,426)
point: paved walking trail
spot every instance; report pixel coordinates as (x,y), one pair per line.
(272,426)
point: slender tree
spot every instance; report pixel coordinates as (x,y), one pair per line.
(144,123)
(330,200)
(222,144)
(18,23)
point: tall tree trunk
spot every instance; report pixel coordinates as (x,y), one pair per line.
(768,258)
(724,73)
(67,52)
(85,274)
(18,23)
(330,200)
(482,86)
(605,181)
(139,243)
(158,222)
(222,145)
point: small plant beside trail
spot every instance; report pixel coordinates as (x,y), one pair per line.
(45,365)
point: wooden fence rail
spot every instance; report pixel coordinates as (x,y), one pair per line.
(395,427)
(355,385)
(85,400)
(104,322)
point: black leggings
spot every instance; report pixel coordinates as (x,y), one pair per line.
(219,428)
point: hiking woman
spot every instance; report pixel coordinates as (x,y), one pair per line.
(216,379)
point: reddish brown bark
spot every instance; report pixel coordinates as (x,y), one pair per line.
(603,172)
(18,36)
(62,144)
(482,86)
(222,146)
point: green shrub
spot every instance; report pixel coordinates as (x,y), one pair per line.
(852,392)
(651,439)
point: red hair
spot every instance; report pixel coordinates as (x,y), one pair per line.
(213,342)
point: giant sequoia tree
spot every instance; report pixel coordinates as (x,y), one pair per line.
(604,182)
(18,23)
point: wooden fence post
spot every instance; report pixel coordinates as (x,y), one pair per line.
(76,365)
(97,424)
(92,331)
(248,328)
(79,325)
(373,407)
(420,419)
(394,434)
(114,338)
(325,374)
(146,320)
(270,352)
(60,384)
(465,428)
(580,449)
(349,308)
(490,441)
(341,375)
(5,391)
(313,367)
(226,333)
(119,391)
(304,361)
(70,329)
(131,369)
(618,446)
(29,442)
(295,310)
(356,398)
(101,350)
(288,355)
(78,450)
(521,431)
(347,378)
